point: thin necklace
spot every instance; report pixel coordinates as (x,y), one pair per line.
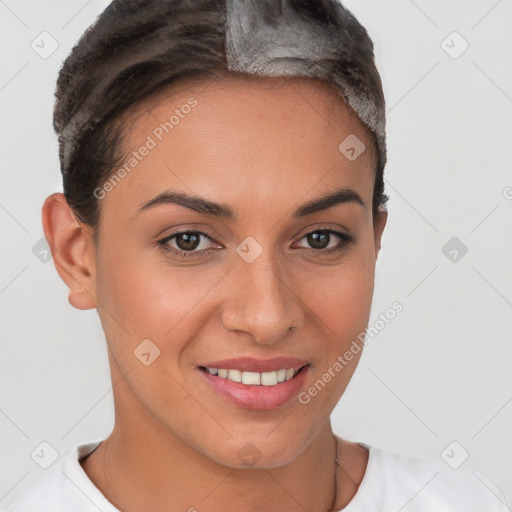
(336,464)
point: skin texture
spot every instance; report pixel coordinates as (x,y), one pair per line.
(264,147)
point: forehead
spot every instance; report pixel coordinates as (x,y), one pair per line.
(283,96)
(258,136)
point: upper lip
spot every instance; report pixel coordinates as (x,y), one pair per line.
(250,364)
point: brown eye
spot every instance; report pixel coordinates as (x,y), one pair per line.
(318,239)
(186,243)
(327,241)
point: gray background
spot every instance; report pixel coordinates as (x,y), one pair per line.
(438,373)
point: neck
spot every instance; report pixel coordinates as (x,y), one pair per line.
(136,471)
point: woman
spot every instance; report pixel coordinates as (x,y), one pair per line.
(223,210)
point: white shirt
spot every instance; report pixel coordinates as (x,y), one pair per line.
(392,483)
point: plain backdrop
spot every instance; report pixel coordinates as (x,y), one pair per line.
(436,376)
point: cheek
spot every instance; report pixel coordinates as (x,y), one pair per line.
(150,298)
(342,302)
(340,296)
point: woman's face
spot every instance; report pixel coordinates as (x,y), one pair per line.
(255,277)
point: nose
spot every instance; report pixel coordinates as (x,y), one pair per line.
(262,300)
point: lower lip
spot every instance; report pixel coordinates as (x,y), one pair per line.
(257,397)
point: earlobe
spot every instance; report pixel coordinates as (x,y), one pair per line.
(379,223)
(72,249)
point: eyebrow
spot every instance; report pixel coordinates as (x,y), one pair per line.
(201,205)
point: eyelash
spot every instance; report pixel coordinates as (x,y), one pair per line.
(346,240)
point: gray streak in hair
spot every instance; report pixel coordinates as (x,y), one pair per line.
(289,45)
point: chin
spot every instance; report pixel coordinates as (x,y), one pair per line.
(260,451)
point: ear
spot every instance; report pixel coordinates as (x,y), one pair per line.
(380,219)
(73,250)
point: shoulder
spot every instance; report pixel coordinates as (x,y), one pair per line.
(64,487)
(42,493)
(394,481)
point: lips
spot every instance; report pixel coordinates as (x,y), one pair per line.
(255,395)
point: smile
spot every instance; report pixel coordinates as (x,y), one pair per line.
(254,378)
(264,390)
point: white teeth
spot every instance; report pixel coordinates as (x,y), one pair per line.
(255,378)
(235,375)
(252,378)
(269,378)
